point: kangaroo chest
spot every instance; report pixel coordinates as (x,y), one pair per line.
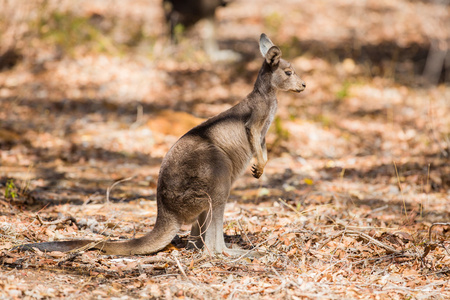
(269,119)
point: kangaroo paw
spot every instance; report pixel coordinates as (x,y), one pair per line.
(256,172)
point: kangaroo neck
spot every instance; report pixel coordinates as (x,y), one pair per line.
(263,86)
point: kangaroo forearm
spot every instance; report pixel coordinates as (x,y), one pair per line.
(256,147)
(264,150)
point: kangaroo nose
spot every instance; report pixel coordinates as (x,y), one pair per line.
(303,85)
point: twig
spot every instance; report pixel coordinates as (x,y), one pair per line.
(436,224)
(364,237)
(113,185)
(75,252)
(244,233)
(379,209)
(401,190)
(289,206)
(179,265)
(329,240)
(300,213)
(263,242)
(88,199)
(38,217)
(253,250)
(68,257)
(58,221)
(88,246)
(445,248)
(371,239)
(209,215)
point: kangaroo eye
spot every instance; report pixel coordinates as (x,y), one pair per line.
(288,73)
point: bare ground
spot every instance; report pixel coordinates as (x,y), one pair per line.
(354,202)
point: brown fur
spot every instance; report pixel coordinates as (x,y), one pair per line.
(198,171)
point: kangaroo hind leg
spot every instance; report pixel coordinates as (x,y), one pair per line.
(198,230)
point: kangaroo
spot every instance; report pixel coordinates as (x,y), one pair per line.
(197,173)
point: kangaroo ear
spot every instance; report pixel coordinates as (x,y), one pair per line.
(264,44)
(269,51)
(273,56)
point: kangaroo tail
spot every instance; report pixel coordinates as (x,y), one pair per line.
(162,234)
(63,246)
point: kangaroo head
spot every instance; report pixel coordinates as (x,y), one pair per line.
(284,77)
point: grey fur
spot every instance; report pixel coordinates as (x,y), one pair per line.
(198,171)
